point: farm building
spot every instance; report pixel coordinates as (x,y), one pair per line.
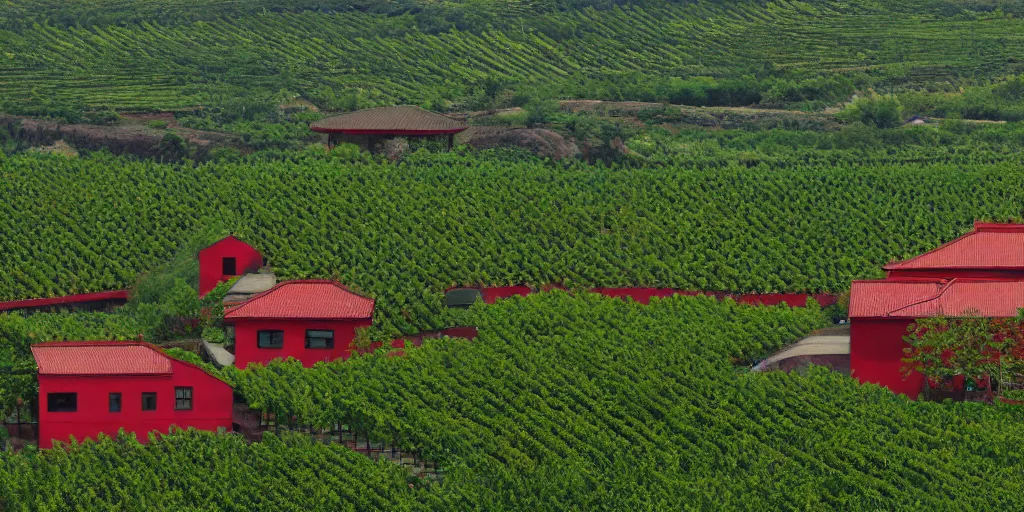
(312,320)
(228,257)
(86,388)
(881,311)
(980,274)
(989,251)
(366,128)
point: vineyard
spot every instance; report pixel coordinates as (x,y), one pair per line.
(404,233)
(343,60)
(562,403)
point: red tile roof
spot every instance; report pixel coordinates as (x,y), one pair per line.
(400,120)
(100,358)
(991,246)
(310,299)
(923,298)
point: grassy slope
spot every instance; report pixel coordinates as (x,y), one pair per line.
(168,65)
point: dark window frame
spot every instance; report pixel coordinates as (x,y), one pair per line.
(271,334)
(233,266)
(329,344)
(145,395)
(111,401)
(181,401)
(54,402)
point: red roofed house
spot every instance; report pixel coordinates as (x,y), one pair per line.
(86,388)
(224,259)
(978,274)
(312,320)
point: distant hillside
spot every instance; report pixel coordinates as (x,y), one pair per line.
(229,56)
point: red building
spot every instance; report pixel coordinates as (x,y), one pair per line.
(989,251)
(368,127)
(86,388)
(980,274)
(224,259)
(313,320)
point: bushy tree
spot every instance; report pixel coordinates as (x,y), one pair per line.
(878,110)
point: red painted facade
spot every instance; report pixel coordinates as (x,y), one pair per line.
(214,260)
(211,404)
(247,350)
(876,353)
(293,317)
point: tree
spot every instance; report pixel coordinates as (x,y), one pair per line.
(973,347)
(881,111)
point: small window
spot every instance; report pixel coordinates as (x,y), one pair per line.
(229,267)
(270,339)
(149,401)
(319,339)
(62,402)
(115,402)
(182,399)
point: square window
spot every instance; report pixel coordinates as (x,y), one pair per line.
(229,266)
(182,399)
(270,339)
(115,402)
(62,402)
(319,339)
(149,401)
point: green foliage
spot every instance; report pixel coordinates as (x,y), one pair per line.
(243,60)
(539,112)
(106,117)
(877,110)
(214,335)
(205,471)
(569,402)
(730,210)
(157,124)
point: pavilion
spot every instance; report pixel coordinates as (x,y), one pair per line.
(370,126)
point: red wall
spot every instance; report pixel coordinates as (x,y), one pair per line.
(876,350)
(492,294)
(791,299)
(211,404)
(644,295)
(945,273)
(211,258)
(247,352)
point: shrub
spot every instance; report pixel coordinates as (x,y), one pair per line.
(214,335)
(158,124)
(103,117)
(882,111)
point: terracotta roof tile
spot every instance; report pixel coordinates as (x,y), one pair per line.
(100,358)
(987,246)
(921,299)
(310,299)
(405,119)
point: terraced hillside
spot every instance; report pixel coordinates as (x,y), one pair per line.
(565,403)
(406,232)
(348,59)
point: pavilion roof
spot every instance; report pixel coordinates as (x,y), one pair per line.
(400,120)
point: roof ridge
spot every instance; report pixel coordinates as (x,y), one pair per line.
(86,343)
(896,265)
(937,295)
(238,307)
